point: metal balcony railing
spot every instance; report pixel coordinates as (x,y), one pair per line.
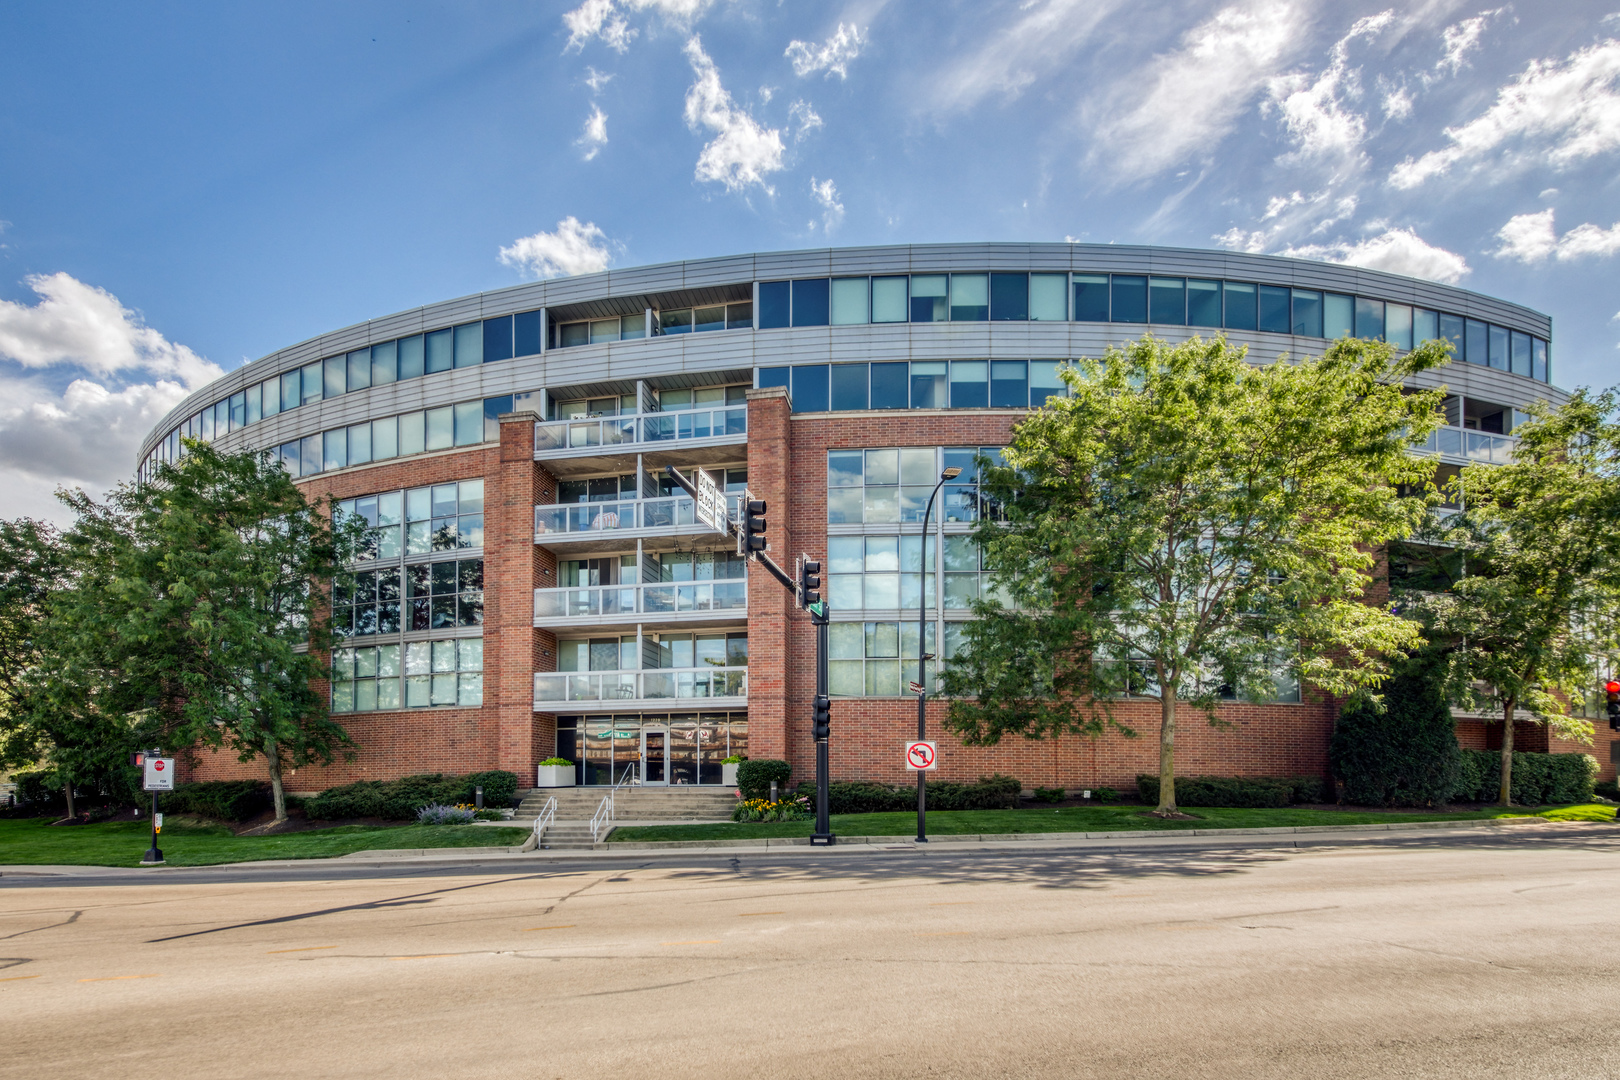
(663,684)
(598,517)
(660,598)
(555,435)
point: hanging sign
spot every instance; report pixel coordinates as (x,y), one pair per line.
(711,504)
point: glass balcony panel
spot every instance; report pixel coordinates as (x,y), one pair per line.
(584,435)
(730,595)
(657,599)
(550,687)
(657,684)
(1450,441)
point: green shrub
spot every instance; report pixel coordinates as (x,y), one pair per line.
(1104,794)
(1538,779)
(500,787)
(399,800)
(1251,792)
(1403,754)
(1609,789)
(859,797)
(221,800)
(562,761)
(754,777)
(1049,794)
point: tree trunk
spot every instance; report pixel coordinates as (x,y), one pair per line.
(1167,750)
(273,752)
(1507,754)
(67,789)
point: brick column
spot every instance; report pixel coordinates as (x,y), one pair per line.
(511,573)
(768,603)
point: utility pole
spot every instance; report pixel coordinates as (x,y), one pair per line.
(923,655)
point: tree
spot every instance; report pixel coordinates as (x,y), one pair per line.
(202,598)
(1528,623)
(1186,526)
(1401,750)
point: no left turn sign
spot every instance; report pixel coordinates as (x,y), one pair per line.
(922,756)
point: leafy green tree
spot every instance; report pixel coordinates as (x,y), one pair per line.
(1527,625)
(1187,526)
(1401,750)
(202,603)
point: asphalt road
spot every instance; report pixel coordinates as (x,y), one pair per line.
(1450,956)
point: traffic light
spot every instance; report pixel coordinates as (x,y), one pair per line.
(809,583)
(823,717)
(1612,689)
(754,525)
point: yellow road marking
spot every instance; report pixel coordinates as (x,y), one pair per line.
(750,914)
(310,948)
(427,956)
(565,926)
(115,978)
(713,941)
(19,978)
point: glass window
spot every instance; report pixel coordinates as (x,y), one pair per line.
(810,388)
(1044,382)
(359,369)
(882,467)
(1539,368)
(845,468)
(412,433)
(1498,347)
(1167,301)
(440,428)
(1398,325)
(1425,326)
(810,302)
(441,351)
(604,330)
(252,415)
(709,318)
(928,293)
(969,384)
(890,385)
(740,316)
(238,410)
(1451,329)
(412,356)
(205,429)
(1049,297)
(888,299)
(1238,301)
(469,423)
(849,299)
(222,417)
(1129,301)
(270,396)
(773,376)
(336,378)
(291,394)
(310,454)
(970,298)
(494,408)
(1091,298)
(314,386)
(928,384)
(291,458)
(1009,297)
(1307,313)
(359,444)
(385,438)
(848,384)
(1338,316)
(1369,319)
(526,333)
(335,449)
(1275,316)
(1203,303)
(384,363)
(469,344)
(1478,349)
(774,304)
(497,339)
(633,327)
(1519,362)
(675,321)
(1009,384)
(571,334)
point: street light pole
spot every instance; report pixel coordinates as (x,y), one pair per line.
(922,651)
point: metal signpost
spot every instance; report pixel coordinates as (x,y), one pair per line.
(158,775)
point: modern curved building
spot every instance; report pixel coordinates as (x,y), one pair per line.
(537,586)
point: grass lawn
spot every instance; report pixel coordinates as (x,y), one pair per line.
(32,841)
(1074,819)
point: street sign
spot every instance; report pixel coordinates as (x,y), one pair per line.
(159,774)
(914,686)
(922,756)
(711,504)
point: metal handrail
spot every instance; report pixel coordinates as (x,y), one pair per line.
(604,809)
(548,817)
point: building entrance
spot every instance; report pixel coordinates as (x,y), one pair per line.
(655,756)
(664,749)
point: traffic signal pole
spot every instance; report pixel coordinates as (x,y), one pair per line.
(751,534)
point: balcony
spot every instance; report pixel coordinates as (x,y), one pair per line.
(665,601)
(608,690)
(1463,446)
(618,434)
(606,522)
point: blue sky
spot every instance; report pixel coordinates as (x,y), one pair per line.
(185,187)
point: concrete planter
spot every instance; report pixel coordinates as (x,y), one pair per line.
(728,775)
(555,776)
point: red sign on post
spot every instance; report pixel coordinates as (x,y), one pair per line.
(922,756)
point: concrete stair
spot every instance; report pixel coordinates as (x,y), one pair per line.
(571,829)
(568,836)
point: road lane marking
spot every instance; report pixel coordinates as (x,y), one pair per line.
(310,948)
(531,929)
(751,914)
(20,978)
(115,978)
(713,941)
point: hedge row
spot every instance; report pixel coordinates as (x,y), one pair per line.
(989,793)
(222,800)
(1235,791)
(1538,779)
(399,800)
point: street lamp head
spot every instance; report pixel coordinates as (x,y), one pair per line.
(951,473)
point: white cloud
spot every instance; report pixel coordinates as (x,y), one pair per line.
(1399,251)
(1460,39)
(597,19)
(594,136)
(1552,114)
(1187,100)
(803,115)
(1313,110)
(1397,103)
(572,249)
(1533,238)
(1293,214)
(832,56)
(742,151)
(596,80)
(88,434)
(1040,40)
(826,193)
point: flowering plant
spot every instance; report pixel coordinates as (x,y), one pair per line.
(434,814)
(789,808)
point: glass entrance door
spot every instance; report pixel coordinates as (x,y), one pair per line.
(654,755)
